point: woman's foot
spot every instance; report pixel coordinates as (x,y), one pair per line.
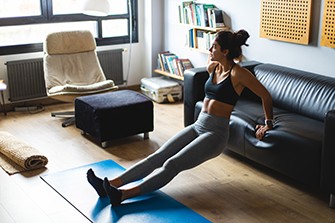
(113,193)
(96,183)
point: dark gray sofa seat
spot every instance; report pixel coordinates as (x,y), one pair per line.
(301,144)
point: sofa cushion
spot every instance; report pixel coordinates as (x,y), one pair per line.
(298,91)
(295,139)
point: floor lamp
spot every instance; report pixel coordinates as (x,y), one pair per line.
(101,8)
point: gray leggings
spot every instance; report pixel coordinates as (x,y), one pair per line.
(195,144)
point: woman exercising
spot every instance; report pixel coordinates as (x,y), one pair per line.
(203,140)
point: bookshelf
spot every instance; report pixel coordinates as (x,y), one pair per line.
(202,21)
(168,74)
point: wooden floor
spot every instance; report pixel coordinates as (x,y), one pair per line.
(225,189)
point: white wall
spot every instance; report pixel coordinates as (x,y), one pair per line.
(153,34)
(246,15)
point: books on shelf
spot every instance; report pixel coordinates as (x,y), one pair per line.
(163,63)
(201,14)
(202,41)
(169,62)
(186,13)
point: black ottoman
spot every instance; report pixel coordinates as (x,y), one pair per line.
(114,115)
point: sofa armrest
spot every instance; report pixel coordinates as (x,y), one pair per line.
(250,65)
(194,81)
(328,154)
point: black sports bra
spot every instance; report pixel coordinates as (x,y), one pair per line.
(223,91)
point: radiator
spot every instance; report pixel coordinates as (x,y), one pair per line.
(26,77)
(111,63)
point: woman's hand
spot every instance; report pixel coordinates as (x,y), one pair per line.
(261,130)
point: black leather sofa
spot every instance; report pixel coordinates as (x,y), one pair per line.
(302,143)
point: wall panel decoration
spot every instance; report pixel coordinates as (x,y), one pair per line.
(286,20)
(328,24)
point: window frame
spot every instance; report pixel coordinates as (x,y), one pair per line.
(48,17)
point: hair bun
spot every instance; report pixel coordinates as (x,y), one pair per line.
(241,37)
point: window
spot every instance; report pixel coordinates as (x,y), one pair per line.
(24,24)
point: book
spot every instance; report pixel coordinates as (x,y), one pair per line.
(179,67)
(210,17)
(175,67)
(186,63)
(200,14)
(201,39)
(209,38)
(190,38)
(218,21)
(193,14)
(181,14)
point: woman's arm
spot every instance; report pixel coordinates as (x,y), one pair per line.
(248,80)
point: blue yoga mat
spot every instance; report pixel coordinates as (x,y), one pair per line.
(155,207)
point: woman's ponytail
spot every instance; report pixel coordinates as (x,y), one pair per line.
(241,37)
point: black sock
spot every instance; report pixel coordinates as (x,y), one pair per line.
(96,183)
(113,193)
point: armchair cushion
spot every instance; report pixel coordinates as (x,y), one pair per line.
(96,87)
(69,42)
(77,69)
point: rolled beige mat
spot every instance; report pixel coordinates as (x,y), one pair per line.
(17,156)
